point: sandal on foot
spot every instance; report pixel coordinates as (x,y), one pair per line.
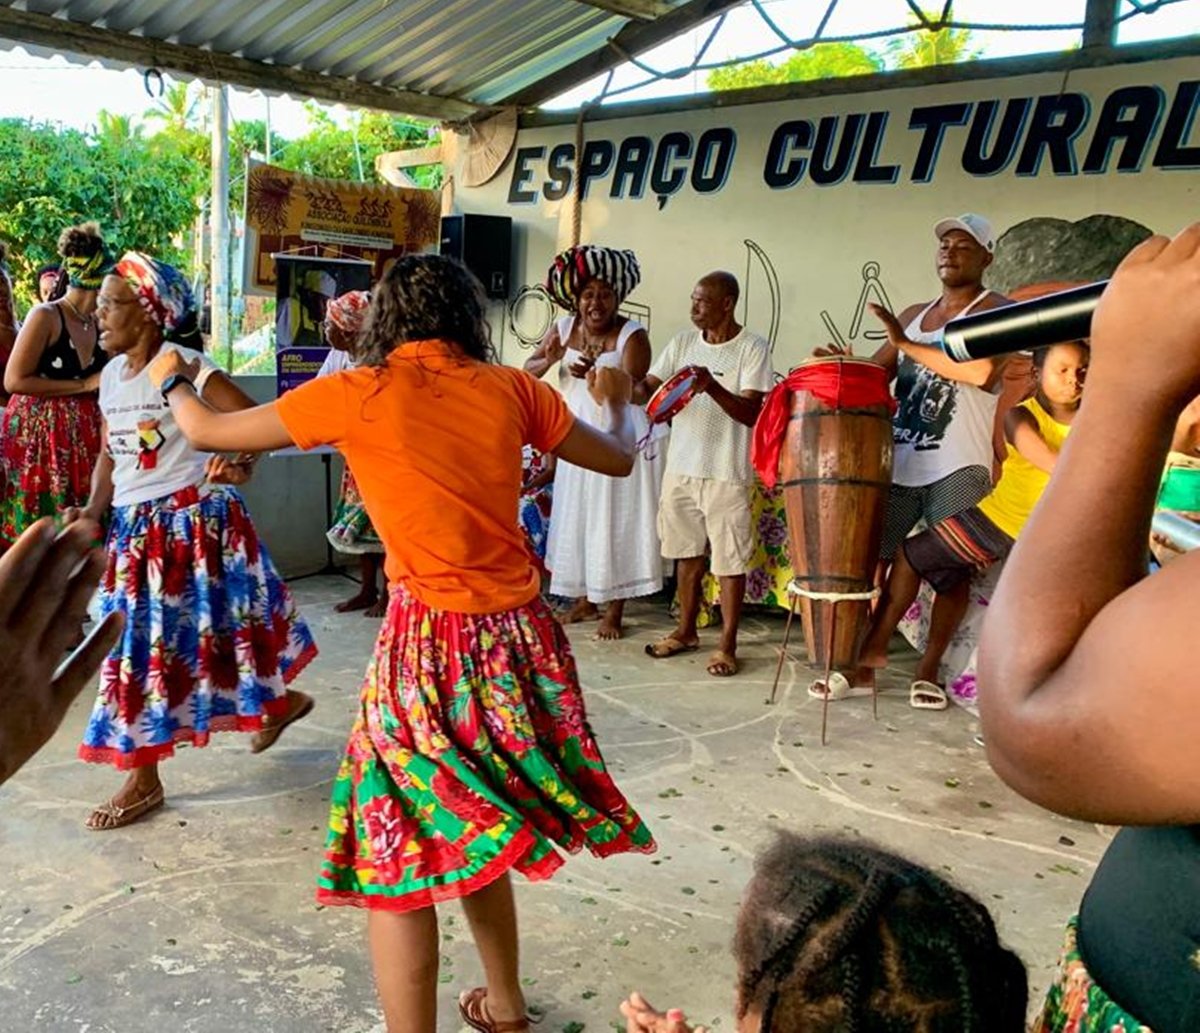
(670,646)
(838,687)
(722,664)
(472,1006)
(927,695)
(118,817)
(265,739)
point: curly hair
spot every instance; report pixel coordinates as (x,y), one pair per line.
(80,241)
(835,936)
(426,298)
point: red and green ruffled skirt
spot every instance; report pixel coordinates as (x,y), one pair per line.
(49,447)
(471,755)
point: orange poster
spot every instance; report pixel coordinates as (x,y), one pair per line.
(332,218)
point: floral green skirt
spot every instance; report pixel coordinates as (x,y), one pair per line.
(352,531)
(471,756)
(1076,1003)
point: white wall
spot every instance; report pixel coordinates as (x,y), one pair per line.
(819,236)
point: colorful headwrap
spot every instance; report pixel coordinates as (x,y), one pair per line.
(86,271)
(348,311)
(575,266)
(162,289)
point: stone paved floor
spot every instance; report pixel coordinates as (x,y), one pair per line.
(202,919)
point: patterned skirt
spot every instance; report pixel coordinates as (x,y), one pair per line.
(49,449)
(471,755)
(212,636)
(352,531)
(1076,1003)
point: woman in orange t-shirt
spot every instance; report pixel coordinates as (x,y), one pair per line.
(472,753)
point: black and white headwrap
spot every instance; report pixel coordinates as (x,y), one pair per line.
(571,271)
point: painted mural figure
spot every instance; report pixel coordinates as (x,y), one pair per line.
(942,428)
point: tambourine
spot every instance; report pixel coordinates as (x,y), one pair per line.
(672,396)
(669,400)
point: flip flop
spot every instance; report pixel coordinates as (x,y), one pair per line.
(118,817)
(267,738)
(838,688)
(722,665)
(927,695)
(668,647)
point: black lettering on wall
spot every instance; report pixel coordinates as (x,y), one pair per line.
(666,177)
(597,160)
(632,167)
(787,138)
(559,172)
(828,169)
(1130,114)
(518,187)
(1172,151)
(867,170)
(976,160)
(1057,120)
(933,120)
(714,159)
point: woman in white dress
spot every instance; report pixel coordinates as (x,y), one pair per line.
(603,543)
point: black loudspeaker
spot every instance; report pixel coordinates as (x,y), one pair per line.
(483,243)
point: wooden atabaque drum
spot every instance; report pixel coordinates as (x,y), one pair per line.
(836,471)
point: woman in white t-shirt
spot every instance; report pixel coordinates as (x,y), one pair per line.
(212,636)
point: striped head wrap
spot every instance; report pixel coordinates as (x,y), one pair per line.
(162,290)
(348,311)
(87,271)
(574,267)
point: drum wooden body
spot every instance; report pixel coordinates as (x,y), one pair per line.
(836,472)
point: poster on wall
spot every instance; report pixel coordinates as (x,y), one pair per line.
(287,212)
(304,285)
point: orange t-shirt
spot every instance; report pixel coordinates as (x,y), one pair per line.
(434,442)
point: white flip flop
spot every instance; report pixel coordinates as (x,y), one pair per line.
(927,695)
(839,688)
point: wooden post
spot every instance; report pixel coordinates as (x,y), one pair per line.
(219,227)
(1100,23)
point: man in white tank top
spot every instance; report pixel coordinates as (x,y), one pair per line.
(946,410)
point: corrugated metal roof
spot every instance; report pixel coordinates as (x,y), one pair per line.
(478,51)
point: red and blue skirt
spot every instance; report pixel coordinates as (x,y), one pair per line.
(212,636)
(471,755)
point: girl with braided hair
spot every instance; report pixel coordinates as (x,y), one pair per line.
(836,936)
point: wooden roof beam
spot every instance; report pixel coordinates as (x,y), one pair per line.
(635,38)
(60,34)
(637,10)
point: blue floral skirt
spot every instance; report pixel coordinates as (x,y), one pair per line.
(212,635)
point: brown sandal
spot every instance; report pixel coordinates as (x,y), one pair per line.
(472,1006)
(265,739)
(118,817)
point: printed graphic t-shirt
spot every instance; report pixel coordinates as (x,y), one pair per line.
(151,458)
(434,441)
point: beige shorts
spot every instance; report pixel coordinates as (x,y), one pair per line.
(696,512)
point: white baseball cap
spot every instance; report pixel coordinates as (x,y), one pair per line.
(975,225)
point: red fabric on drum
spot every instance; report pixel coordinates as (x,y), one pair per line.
(841,385)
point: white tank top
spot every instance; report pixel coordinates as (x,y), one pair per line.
(940,425)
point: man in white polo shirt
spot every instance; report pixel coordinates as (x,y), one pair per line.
(706,489)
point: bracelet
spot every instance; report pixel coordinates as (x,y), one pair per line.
(173,381)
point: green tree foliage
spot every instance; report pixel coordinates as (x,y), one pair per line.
(924,49)
(134,187)
(822,61)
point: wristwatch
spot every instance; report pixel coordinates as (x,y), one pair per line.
(172,382)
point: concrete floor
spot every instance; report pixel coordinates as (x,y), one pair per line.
(202,919)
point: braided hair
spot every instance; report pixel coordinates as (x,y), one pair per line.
(835,936)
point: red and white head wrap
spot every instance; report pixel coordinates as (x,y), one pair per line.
(348,311)
(161,289)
